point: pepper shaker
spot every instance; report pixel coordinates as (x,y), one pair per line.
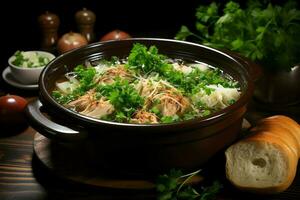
(49,23)
(85,20)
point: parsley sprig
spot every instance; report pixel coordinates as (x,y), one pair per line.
(146,60)
(173,186)
(85,76)
(124,98)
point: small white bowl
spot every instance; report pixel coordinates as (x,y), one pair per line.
(27,75)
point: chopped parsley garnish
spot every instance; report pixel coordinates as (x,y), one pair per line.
(123,97)
(170,119)
(61,98)
(85,76)
(146,60)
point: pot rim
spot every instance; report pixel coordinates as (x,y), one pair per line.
(197,122)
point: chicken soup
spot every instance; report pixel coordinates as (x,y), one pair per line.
(146,87)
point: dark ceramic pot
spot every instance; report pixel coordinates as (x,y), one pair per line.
(151,147)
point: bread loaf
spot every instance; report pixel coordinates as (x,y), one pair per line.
(266,161)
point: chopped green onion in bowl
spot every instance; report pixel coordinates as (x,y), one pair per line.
(26,66)
(30,59)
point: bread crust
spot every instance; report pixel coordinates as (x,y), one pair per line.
(282,134)
(288,125)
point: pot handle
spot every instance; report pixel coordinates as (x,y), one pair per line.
(49,128)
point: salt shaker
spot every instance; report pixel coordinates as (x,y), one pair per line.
(85,20)
(49,23)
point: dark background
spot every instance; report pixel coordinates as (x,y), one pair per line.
(149,18)
(140,18)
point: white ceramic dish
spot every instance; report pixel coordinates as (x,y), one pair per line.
(9,79)
(27,75)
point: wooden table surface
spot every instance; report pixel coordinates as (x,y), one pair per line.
(22,176)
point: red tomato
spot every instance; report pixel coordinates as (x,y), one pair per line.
(11,110)
(115,35)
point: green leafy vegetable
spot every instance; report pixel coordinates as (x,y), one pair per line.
(86,76)
(170,119)
(123,96)
(146,60)
(173,186)
(265,33)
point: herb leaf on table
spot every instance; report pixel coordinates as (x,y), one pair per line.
(174,186)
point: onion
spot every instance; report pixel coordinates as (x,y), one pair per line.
(70,41)
(115,35)
(66,87)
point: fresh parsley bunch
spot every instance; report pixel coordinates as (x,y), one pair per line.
(263,32)
(173,186)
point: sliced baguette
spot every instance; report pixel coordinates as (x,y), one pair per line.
(261,164)
(266,161)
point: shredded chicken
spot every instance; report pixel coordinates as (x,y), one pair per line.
(90,106)
(143,117)
(171,103)
(111,73)
(149,89)
(98,109)
(83,102)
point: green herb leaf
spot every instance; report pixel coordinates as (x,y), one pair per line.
(211,192)
(86,76)
(145,60)
(170,119)
(123,96)
(261,31)
(63,99)
(173,186)
(183,33)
